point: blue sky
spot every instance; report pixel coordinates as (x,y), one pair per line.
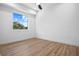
(20,18)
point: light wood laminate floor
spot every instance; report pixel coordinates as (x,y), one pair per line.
(38,47)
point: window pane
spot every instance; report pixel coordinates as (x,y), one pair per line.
(19,21)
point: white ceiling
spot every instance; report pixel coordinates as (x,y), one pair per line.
(31,5)
(30,8)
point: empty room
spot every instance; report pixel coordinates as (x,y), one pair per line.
(44,29)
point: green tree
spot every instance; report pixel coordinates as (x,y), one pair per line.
(17,25)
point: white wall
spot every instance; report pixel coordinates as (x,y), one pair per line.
(56,22)
(8,35)
(59,22)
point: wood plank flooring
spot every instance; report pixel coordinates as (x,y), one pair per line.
(38,47)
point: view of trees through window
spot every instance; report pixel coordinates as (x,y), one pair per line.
(19,21)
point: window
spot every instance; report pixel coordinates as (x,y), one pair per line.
(19,21)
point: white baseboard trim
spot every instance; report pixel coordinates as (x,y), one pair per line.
(63,41)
